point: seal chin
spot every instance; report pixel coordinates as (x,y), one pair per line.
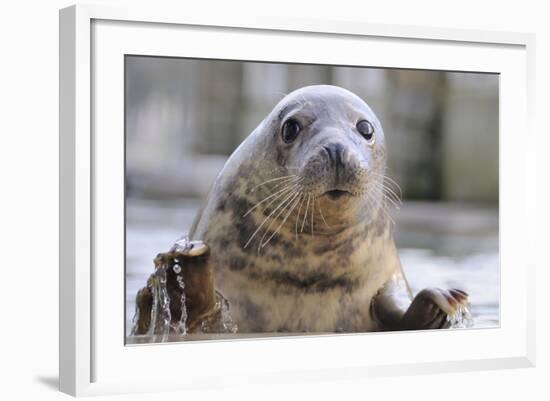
(336,194)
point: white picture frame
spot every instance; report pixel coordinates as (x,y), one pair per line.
(93,357)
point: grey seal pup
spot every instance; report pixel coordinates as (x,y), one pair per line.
(298,228)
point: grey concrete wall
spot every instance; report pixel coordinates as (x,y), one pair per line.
(470,138)
(441,127)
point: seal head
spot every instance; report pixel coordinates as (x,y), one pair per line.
(333,143)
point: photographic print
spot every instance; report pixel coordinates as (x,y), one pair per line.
(279,199)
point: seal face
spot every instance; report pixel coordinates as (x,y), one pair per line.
(298,226)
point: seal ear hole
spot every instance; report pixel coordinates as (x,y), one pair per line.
(366,130)
(291,129)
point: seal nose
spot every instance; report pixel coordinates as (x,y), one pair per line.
(335,153)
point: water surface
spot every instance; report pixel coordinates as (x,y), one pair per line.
(440,245)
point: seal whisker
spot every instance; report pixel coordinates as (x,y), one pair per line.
(396,206)
(390,196)
(290,210)
(266,219)
(294,180)
(383,206)
(388,214)
(388,177)
(287,203)
(284,178)
(391,181)
(305,215)
(387,188)
(302,199)
(389,199)
(279,193)
(321,212)
(396,203)
(369,199)
(394,183)
(388,191)
(312,211)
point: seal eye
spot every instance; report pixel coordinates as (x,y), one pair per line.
(366,130)
(290,131)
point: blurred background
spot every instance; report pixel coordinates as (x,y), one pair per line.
(184,117)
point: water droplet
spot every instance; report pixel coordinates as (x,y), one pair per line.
(182,245)
(159,327)
(461,318)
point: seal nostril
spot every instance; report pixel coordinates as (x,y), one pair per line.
(329,152)
(335,152)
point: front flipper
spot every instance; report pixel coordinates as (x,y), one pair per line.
(431,307)
(392,309)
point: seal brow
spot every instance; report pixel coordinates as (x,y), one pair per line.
(287,109)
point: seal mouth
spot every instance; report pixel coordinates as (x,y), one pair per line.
(336,194)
